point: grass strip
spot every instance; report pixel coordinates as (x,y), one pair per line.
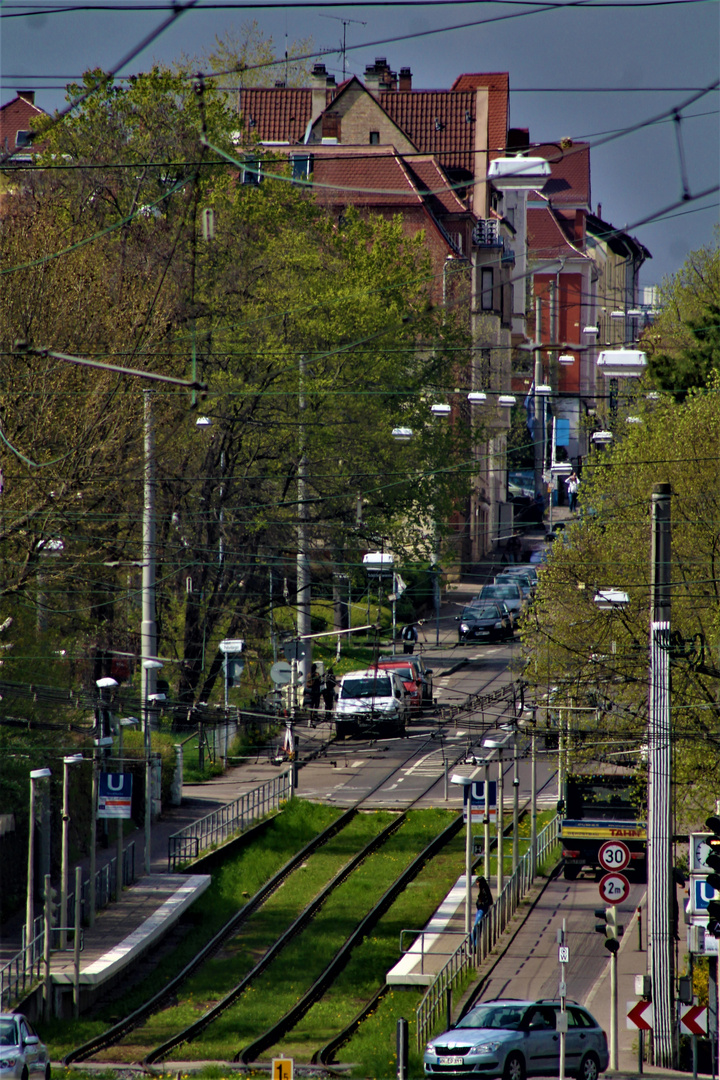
(369,964)
(287,979)
(231,887)
(216,978)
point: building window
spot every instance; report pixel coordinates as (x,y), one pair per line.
(252,172)
(331,126)
(486,289)
(23,138)
(374,138)
(301,165)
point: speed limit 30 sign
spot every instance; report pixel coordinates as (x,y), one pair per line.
(614,855)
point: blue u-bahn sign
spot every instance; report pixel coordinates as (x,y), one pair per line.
(475,795)
(115,795)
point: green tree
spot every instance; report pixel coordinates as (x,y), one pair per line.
(683,344)
(584,656)
(139,284)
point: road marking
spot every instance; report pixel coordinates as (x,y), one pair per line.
(357,764)
(431,764)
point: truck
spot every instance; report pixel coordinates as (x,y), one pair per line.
(599,806)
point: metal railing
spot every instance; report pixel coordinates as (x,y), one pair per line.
(216,828)
(471,954)
(23,969)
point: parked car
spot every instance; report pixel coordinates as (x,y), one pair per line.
(372,702)
(410,679)
(527,586)
(515,1039)
(525,569)
(485,622)
(22,1055)
(510,594)
(424,674)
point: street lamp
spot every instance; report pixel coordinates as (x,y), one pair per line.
(72,759)
(466,782)
(402,434)
(610,599)
(440,410)
(519,173)
(150,667)
(35,774)
(495,742)
(507,400)
(601,438)
(477,397)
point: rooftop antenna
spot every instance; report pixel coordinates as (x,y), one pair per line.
(345,23)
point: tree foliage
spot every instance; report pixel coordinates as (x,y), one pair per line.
(582,656)
(316,337)
(683,343)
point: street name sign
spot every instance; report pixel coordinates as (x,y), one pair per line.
(614,888)
(640,1015)
(693,1020)
(614,855)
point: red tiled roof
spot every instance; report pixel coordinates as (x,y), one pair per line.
(432,179)
(373,179)
(570,180)
(16,115)
(498,83)
(439,122)
(277,113)
(546,238)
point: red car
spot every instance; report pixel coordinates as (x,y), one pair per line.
(408,674)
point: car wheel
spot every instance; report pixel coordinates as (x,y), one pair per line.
(48,1071)
(589,1068)
(514,1067)
(24,1074)
(570,873)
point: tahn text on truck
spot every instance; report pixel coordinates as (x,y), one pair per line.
(599,807)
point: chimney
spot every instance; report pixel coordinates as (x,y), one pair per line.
(372,78)
(518,139)
(405,82)
(27,95)
(580,227)
(318,81)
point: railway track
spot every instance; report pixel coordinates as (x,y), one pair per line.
(115,1034)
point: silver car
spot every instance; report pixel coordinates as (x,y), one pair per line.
(22,1055)
(515,1039)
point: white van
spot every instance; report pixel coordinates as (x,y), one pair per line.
(372,702)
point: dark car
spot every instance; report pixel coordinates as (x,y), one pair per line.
(515,1039)
(511,595)
(485,622)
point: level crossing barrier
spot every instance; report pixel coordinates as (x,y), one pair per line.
(468,954)
(229,820)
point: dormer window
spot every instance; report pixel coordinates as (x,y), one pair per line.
(23,138)
(374,138)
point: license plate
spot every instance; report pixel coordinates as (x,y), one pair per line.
(482,633)
(452,1061)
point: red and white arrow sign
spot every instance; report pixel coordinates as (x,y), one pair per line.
(640,1015)
(693,1020)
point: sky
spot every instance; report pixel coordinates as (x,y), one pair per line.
(588,70)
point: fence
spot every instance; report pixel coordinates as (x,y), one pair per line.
(433,1004)
(23,969)
(233,818)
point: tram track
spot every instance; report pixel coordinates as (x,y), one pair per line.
(115,1034)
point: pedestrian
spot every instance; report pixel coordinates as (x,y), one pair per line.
(329,690)
(572,483)
(313,687)
(483,904)
(409,636)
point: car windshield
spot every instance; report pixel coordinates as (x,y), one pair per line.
(366,687)
(406,673)
(8,1033)
(480,613)
(504,592)
(506,1017)
(513,579)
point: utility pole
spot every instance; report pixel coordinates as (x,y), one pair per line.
(148,629)
(659,860)
(538,401)
(303,564)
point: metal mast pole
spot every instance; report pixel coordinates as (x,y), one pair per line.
(659,856)
(148,628)
(538,402)
(303,565)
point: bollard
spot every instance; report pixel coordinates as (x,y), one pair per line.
(639,915)
(402,1049)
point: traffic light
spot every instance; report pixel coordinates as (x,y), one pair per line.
(712,861)
(609,927)
(51,906)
